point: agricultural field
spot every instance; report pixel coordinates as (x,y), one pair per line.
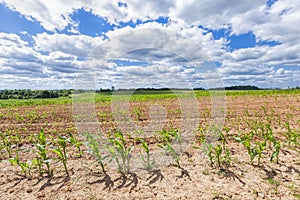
(256,154)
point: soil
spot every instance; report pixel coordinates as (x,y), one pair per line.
(194,179)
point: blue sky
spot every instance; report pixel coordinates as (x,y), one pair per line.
(45,45)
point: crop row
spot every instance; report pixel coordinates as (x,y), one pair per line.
(258,140)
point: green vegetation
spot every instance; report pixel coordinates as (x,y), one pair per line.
(33,94)
(146,159)
(120,152)
(60,151)
(94,148)
(42,154)
(145,96)
(262,137)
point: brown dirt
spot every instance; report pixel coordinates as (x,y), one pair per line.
(196,179)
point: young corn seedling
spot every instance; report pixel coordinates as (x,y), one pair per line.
(42,156)
(177,138)
(209,149)
(147,161)
(246,141)
(227,158)
(120,152)
(275,154)
(292,136)
(23,165)
(94,147)
(75,142)
(165,136)
(201,135)
(223,139)
(6,143)
(218,152)
(61,152)
(169,136)
(269,135)
(39,163)
(171,151)
(259,149)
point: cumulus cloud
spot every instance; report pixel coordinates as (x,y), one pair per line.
(163,50)
(22,66)
(78,45)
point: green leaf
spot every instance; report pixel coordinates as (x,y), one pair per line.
(13,161)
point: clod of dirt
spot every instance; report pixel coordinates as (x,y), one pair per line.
(29,190)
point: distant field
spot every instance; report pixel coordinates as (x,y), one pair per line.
(141,96)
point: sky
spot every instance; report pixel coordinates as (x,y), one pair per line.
(159,43)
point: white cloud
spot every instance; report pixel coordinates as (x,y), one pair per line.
(59,56)
(212,14)
(23,67)
(78,45)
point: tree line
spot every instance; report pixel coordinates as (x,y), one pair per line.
(33,94)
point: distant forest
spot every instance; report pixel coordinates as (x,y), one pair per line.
(33,94)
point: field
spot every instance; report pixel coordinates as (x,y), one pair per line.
(255,154)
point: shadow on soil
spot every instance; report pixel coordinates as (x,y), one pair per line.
(130,179)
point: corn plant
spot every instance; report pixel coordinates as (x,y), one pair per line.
(268,136)
(169,136)
(246,141)
(218,152)
(223,139)
(209,152)
(201,135)
(177,138)
(39,163)
(6,143)
(292,136)
(16,161)
(165,136)
(227,158)
(42,157)
(171,151)
(75,142)
(138,114)
(275,154)
(94,147)
(61,152)
(121,152)
(259,149)
(147,161)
